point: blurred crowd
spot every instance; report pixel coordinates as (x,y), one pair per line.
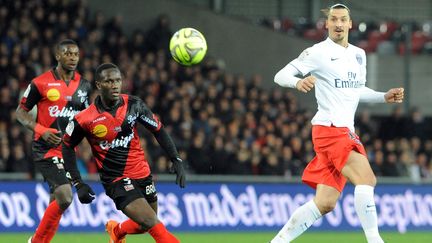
(222,123)
(387,37)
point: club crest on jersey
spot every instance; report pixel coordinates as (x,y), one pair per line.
(359,59)
(132,119)
(100,131)
(82,95)
(53,94)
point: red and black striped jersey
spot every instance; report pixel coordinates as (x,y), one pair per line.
(113,137)
(57,102)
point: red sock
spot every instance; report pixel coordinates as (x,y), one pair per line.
(48,224)
(52,232)
(162,235)
(128,227)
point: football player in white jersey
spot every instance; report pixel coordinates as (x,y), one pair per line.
(338,74)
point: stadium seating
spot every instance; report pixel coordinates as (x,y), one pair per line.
(234,124)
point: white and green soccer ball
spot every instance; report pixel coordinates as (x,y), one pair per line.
(188,46)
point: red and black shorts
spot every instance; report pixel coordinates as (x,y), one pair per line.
(53,171)
(126,190)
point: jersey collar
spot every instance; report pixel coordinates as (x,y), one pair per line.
(334,45)
(57,75)
(102,108)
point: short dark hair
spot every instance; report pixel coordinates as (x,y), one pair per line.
(335,6)
(101,68)
(65,42)
(339,6)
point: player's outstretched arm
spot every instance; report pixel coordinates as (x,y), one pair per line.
(166,142)
(395,95)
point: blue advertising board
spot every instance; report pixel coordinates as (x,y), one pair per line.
(220,207)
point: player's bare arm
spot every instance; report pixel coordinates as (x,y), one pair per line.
(50,135)
(395,95)
(305,85)
(25,118)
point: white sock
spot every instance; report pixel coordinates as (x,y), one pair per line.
(364,204)
(302,218)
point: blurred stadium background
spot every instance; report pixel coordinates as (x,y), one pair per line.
(246,140)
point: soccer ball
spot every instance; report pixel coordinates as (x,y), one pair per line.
(188,46)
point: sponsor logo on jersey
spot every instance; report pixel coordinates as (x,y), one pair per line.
(53,94)
(100,131)
(150,189)
(347,84)
(149,121)
(350,83)
(54,84)
(101,118)
(118,142)
(54,111)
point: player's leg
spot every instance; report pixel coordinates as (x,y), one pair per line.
(61,190)
(304,216)
(322,174)
(129,227)
(63,197)
(358,171)
(138,200)
(143,214)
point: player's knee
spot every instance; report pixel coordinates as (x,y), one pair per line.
(369,179)
(373,180)
(63,196)
(65,203)
(147,223)
(326,206)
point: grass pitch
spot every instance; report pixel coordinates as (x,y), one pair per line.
(230,237)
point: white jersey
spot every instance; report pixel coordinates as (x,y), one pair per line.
(341,78)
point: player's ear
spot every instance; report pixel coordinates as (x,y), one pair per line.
(57,56)
(97,84)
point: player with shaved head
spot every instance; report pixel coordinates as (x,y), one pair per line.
(338,73)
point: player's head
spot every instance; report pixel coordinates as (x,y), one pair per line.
(338,23)
(67,54)
(108,80)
